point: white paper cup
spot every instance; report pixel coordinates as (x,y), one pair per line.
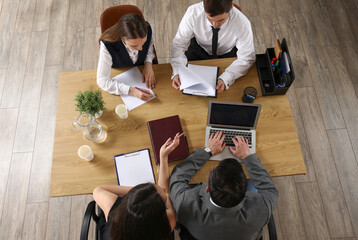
(85,152)
(122,111)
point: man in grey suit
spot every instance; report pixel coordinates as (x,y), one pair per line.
(222,208)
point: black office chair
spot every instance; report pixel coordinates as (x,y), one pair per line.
(90,213)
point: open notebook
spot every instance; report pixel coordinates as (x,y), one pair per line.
(134,168)
(198,80)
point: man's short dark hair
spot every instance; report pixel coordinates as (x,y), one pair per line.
(217,7)
(227,183)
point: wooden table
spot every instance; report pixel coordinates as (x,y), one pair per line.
(277,144)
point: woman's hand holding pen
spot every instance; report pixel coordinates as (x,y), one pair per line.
(166,149)
(140,93)
(148,75)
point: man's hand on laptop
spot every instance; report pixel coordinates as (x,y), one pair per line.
(216,142)
(241,149)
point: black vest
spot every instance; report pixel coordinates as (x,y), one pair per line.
(120,56)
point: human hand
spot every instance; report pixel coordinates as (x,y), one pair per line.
(176,82)
(166,149)
(145,95)
(216,142)
(241,149)
(148,75)
(220,86)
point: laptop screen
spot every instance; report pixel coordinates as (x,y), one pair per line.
(233,115)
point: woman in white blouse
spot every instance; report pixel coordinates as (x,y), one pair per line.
(127,43)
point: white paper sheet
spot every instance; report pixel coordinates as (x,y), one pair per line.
(198,80)
(134,168)
(133,78)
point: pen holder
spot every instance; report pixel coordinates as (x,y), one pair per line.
(250,94)
(272,81)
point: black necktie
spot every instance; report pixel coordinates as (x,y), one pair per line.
(215,41)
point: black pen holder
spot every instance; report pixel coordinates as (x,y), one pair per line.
(272,82)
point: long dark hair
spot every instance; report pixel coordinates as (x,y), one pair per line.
(130,26)
(141,215)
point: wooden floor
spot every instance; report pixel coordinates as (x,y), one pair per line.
(40,38)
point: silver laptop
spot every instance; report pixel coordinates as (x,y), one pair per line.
(233,119)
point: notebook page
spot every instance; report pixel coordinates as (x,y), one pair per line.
(134,168)
(132,78)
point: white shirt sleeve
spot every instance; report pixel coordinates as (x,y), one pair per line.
(150,55)
(104,80)
(181,41)
(245,58)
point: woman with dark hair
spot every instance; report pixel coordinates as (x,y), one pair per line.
(127,43)
(141,212)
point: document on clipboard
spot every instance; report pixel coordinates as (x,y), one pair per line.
(198,80)
(134,168)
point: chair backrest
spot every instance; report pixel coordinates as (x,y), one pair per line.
(111,15)
(237,6)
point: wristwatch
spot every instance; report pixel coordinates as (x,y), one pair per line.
(208,150)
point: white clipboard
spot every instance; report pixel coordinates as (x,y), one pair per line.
(134,168)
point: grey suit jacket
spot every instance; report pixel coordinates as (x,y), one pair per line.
(206,221)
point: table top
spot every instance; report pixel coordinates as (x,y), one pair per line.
(277,145)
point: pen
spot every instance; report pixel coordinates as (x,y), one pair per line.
(173,140)
(142,90)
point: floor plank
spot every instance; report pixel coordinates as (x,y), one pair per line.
(7,25)
(59,218)
(323,23)
(78,208)
(39,187)
(347,168)
(350,53)
(289,209)
(328,180)
(325,91)
(75,36)
(345,92)
(311,205)
(35,221)
(30,99)
(161,18)
(352,14)
(340,20)
(8,119)
(12,219)
(42,16)
(57,32)
(18,55)
(91,48)
(305,148)
(94,9)
(2,80)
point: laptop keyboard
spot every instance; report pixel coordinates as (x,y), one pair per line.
(231,134)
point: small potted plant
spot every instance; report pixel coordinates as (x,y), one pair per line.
(90,102)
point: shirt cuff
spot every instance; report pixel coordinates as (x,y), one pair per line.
(226,77)
(125,89)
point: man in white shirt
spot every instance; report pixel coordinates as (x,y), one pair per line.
(196,40)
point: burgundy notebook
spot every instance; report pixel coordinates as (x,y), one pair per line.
(162,129)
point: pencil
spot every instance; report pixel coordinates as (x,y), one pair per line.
(173,140)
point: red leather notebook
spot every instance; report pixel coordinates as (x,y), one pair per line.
(162,129)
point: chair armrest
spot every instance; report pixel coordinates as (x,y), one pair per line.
(90,212)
